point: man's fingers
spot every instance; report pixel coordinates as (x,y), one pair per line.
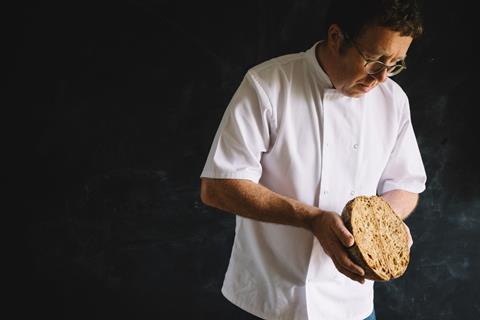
(343,259)
(340,256)
(334,237)
(348,273)
(410,240)
(342,233)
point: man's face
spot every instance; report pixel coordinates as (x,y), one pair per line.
(375,43)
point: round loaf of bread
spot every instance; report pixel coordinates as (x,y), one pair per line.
(381,239)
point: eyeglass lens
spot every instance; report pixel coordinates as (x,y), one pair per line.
(376,67)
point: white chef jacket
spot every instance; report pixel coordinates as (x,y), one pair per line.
(287,129)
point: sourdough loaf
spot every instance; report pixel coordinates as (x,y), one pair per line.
(381,239)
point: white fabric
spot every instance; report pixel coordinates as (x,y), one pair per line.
(287,129)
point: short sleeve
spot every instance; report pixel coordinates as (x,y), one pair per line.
(243,135)
(404,169)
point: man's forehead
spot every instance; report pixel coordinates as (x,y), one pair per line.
(381,41)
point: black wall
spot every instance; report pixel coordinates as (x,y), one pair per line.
(118,104)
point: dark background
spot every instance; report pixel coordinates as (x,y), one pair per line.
(118,104)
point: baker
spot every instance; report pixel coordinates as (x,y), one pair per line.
(303,134)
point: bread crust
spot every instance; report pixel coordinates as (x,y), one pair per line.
(388,257)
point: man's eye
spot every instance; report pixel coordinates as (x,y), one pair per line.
(375,58)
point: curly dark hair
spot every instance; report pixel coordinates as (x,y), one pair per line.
(354,15)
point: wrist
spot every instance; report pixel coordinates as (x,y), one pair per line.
(313,219)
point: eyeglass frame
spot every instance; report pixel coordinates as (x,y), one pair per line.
(402,63)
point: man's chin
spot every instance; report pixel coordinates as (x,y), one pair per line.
(358,91)
(355,93)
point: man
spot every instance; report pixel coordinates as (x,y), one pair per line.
(303,134)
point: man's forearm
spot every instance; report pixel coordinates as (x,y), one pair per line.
(251,200)
(402,202)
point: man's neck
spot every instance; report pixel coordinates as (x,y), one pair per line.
(322,56)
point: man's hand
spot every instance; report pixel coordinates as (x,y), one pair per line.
(335,238)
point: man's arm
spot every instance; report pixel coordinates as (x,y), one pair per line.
(254,201)
(402,202)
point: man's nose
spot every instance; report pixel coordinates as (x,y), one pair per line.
(381,76)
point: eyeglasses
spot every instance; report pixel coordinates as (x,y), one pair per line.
(375,66)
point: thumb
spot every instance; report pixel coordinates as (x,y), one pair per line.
(342,233)
(409,234)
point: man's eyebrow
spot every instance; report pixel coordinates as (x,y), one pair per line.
(376,53)
(382,54)
(401,58)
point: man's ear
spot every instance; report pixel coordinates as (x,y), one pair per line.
(335,37)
